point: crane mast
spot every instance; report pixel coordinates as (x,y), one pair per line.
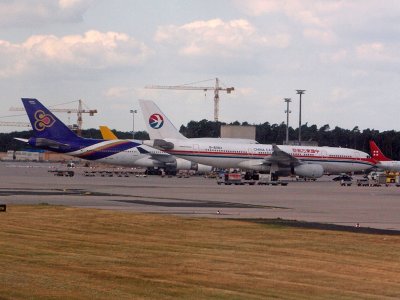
(215,88)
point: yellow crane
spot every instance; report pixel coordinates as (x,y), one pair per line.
(79,111)
(215,88)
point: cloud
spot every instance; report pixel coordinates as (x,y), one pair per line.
(324,37)
(334,57)
(27,12)
(93,50)
(373,51)
(307,12)
(218,38)
(119,92)
(377,56)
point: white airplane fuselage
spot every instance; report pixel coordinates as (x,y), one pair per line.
(107,152)
(390,165)
(254,156)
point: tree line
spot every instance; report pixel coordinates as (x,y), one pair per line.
(266,133)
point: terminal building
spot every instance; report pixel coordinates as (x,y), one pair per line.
(238,132)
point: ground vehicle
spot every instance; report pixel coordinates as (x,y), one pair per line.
(343,177)
(66,173)
(247,178)
(265,179)
(229,178)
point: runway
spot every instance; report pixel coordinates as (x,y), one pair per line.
(323,201)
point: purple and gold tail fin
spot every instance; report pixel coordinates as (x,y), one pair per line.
(44,123)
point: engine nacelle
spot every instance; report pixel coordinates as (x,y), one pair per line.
(183,164)
(253,165)
(203,168)
(309,170)
(147,162)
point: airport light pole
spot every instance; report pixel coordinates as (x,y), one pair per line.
(300,92)
(133,112)
(287,111)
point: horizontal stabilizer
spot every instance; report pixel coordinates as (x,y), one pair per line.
(22,140)
(42,142)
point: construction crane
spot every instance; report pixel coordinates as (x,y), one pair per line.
(79,111)
(15,124)
(215,88)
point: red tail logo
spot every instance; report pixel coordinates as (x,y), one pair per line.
(376,152)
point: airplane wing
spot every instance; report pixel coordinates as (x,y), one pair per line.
(282,158)
(162,157)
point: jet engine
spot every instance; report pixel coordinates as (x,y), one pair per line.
(253,165)
(203,168)
(309,170)
(183,164)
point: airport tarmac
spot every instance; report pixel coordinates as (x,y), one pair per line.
(323,201)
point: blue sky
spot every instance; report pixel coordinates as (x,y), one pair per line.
(343,53)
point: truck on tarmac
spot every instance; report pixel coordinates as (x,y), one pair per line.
(247,178)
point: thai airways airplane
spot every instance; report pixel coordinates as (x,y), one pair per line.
(383,162)
(279,160)
(53,135)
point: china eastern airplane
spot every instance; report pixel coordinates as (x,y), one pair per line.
(383,162)
(53,135)
(305,161)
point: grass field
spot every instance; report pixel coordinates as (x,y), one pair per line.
(51,252)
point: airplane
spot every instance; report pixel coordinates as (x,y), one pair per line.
(53,135)
(306,161)
(383,162)
(170,166)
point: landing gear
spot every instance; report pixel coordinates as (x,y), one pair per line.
(274,177)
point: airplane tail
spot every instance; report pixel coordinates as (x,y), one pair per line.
(376,152)
(44,124)
(107,134)
(158,125)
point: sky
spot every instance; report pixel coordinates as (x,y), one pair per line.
(345,54)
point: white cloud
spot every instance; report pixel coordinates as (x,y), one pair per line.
(310,12)
(324,37)
(218,38)
(93,50)
(27,12)
(372,51)
(383,57)
(334,57)
(119,92)
(244,92)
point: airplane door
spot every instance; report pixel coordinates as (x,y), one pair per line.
(356,155)
(195,148)
(250,152)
